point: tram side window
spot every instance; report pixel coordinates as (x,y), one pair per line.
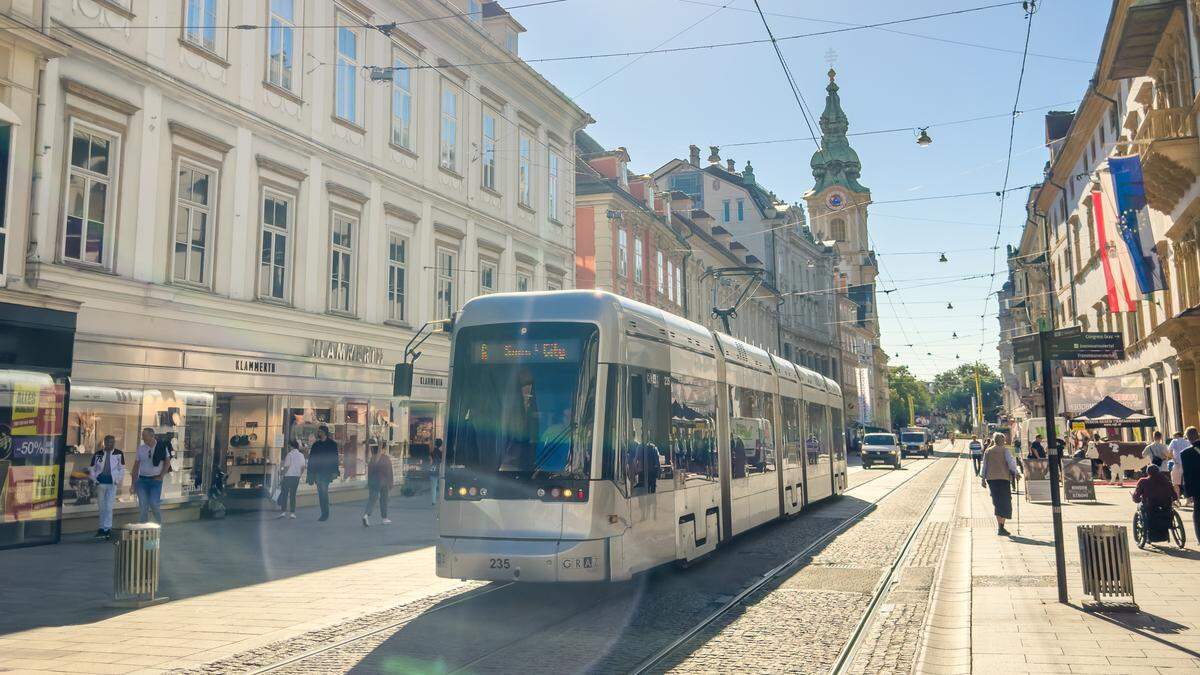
(792,440)
(645,458)
(694,428)
(816,444)
(752,431)
(839,435)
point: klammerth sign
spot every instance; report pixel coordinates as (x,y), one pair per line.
(250,366)
(344,351)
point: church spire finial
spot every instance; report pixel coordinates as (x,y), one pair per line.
(835,163)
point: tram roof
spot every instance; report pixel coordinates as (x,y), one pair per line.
(603,307)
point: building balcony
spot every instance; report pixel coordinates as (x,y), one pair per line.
(1167,144)
(1143,29)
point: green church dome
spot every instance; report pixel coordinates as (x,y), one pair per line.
(835,163)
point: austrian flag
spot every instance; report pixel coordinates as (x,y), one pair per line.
(1119,280)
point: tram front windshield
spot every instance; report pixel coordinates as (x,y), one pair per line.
(522,402)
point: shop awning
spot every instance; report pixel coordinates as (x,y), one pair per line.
(7,116)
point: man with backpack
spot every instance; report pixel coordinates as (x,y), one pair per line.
(152,465)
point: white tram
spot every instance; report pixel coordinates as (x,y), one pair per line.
(591,437)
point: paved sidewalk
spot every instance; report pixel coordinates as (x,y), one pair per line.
(1016,624)
(234,585)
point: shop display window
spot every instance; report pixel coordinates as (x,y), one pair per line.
(31,422)
(182,417)
(248,440)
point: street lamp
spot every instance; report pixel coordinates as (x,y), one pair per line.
(923,138)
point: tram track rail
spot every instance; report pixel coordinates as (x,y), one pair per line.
(661,657)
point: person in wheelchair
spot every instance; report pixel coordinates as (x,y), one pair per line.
(1157,497)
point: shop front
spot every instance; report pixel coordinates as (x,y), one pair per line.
(35,367)
(232,415)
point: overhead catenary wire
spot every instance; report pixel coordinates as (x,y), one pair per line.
(933,38)
(1030,10)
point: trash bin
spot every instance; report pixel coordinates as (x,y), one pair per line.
(1104,561)
(135,566)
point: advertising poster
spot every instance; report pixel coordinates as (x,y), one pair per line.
(1037,479)
(1077,480)
(31,493)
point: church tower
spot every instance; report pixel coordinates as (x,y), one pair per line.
(837,206)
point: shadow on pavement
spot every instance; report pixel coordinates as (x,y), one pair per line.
(1017,539)
(70,583)
(1176,552)
(595,627)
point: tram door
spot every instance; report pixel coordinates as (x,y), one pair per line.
(644,468)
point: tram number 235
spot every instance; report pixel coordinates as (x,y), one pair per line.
(500,563)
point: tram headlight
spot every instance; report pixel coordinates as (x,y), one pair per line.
(462,492)
(567,492)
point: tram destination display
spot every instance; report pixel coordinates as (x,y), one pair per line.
(525,351)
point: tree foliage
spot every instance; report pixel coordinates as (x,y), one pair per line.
(903,384)
(953,389)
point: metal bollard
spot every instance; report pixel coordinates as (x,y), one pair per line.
(1104,561)
(135,566)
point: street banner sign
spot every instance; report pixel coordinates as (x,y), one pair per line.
(1086,347)
(1027,349)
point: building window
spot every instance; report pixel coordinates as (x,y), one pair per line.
(679,284)
(402,104)
(554,283)
(200,27)
(397,279)
(661,271)
(637,260)
(489,149)
(475,11)
(523,171)
(726,205)
(341,263)
(449,136)
(741,210)
(281,47)
(488,271)
(690,183)
(671,281)
(446,274)
(89,196)
(622,252)
(346,80)
(193,222)
(524,280)
(510,43)
(837,229)
(552,184)
(276,224)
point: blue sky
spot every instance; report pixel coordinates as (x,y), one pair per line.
(663,102)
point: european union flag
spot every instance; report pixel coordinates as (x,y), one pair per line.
(1134,223)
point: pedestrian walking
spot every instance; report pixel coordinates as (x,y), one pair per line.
(289,481)
(108,471)
(1177,445)
(323,461)
(999,470)
(379,483)
(435,466)
(151,466)
(1156,451)
(976,448)
(1189,460)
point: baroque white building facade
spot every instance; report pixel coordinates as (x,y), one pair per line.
(255,205)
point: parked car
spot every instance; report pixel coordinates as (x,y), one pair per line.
(880,448)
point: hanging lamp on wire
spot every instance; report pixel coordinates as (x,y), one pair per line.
(949,305)
(923,138)
(943,258)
